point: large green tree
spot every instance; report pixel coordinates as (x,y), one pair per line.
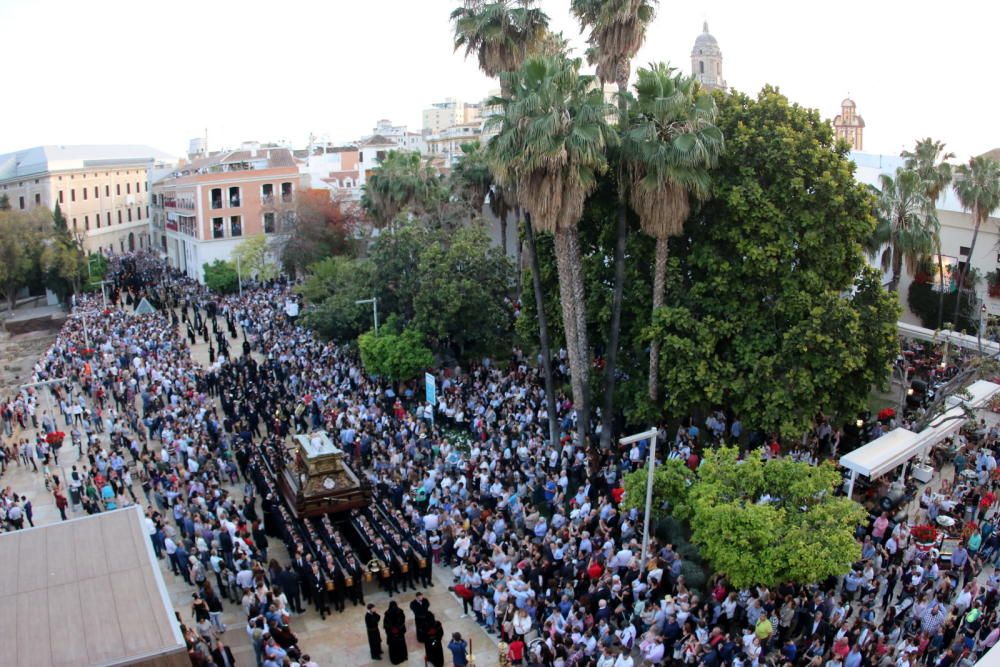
(551,146)
(771,310)
(617,31)
(907,227)
(760,521)
(669,148)
(21,237)
(332,290)
(462,291)
(977,185)
(394,356)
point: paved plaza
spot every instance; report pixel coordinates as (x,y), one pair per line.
(338,641)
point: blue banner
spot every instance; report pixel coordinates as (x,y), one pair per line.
(430,387)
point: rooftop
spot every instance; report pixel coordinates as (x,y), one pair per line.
(42,159)
(86,592)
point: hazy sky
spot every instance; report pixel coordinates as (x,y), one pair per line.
(110,71)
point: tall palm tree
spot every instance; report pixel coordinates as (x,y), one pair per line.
(671,146)
(907,223)
(929,160)
(617,31)
(502,33)
(401,181)
(551,147)
(977,185)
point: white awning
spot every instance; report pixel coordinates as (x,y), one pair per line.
(980,392)
(953,337)
(883,454)
(942,427)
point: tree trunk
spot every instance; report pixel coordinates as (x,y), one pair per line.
(503,233)
(543,334)
(571,296)
(659,296)
(964,269)
(621,238)
(897,268)
(940,319)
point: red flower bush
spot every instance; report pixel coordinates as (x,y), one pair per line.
(924,533)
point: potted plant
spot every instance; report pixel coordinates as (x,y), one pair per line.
(925,536)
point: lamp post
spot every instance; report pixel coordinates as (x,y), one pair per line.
(651,436)
(374,302)
(979,331)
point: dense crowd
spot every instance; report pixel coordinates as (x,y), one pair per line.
(532,537)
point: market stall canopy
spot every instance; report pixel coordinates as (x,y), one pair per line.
(976,395)
(883,454)
(953,337)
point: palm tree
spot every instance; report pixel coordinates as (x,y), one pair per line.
(672,144)
(907,223)
(929,160)
(401,181)
(617,31)
(551,147)
(502,33)
(977,185)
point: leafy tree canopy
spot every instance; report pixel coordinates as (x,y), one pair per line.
(394,356)
(760,521)
(773,312)
(221,276)
(332,290)
(255,260)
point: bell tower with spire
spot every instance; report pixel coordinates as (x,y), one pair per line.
(706,61)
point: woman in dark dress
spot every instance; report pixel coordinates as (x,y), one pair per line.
(433,636)
(395,633)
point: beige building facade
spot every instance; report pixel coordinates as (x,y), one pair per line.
(849,126)
(103,191)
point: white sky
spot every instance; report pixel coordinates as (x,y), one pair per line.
(109,71)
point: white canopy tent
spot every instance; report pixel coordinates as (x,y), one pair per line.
(900,445)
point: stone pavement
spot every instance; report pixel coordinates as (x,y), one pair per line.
(339,640)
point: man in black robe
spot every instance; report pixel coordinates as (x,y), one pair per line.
(421,608)
(372,618)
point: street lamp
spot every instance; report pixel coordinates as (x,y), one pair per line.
(628,440)
(374,302)
(982,320)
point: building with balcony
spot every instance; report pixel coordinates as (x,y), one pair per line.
(442,115)
(205,208)
(448,143)
(102,190)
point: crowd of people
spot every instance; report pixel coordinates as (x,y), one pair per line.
(531,537)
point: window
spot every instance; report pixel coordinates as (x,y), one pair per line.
(107,190)
(21,202)
(74,223)
(84,191)
(72,195)
(235,226)
(267,192)
(286,192)
(128,188)
(218,228)
(97,192)
(964,250)
(119,216)
(138,213)
(38,199)
(137,187)
(234,197)
(109,219)
(269,223)
(216,197)
(86,222)
(145,186)
(147,210)
(118,188)
(128,211)
(361,156)
(701,66)
(60,196)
